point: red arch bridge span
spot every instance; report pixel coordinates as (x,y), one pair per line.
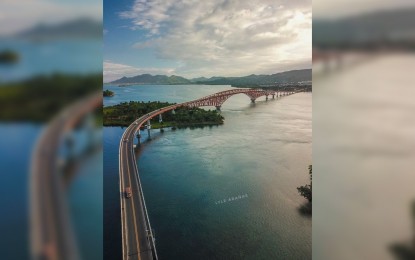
(215,100)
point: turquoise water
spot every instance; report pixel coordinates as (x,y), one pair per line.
(256,159)
(40,58)
(86,205)
(84,194)
(15,153)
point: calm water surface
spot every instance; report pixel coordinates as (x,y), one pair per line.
(40,58)
(261,153)
(84,194)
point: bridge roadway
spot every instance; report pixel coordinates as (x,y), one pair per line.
(51,235)
(138,241)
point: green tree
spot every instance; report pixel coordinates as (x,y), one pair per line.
(306,190)
(108,93)
(8,57)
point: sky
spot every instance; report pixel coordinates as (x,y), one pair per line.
(194,38)
(18,15)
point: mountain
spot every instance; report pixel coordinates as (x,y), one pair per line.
(204,79)
(149,79)
(79,28)
(282,77)
(381,26)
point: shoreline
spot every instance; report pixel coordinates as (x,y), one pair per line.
(170,124)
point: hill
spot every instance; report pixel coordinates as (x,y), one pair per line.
(283,77)
(79,28)
(150,79)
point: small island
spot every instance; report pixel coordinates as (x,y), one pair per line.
(307,192)
(108,93)
(8,57)
(125,113)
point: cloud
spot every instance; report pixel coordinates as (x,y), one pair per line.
(225,37)
(23,14)
(113,71)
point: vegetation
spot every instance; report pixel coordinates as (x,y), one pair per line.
(8,57)
(108,93)
(41,97)
(306,190)
(406,250)
(125,113)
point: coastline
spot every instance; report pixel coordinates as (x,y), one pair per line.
(170,124)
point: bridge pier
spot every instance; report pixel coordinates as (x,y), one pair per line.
(139,136)
(218,108)
(252,100)
(266,97)
(273,96)
(161,123)
(148,128)
(89,123)
(173,112)
(70,146)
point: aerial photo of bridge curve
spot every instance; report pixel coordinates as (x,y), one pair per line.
(138,241)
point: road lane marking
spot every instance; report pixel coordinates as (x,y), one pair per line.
(132,202)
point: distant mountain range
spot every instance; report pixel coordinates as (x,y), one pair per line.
(78,28)
(283,77)
(150,79)
(381,26)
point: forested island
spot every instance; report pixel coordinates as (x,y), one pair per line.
(8,57)
(108,93)
(39,98)
(125,113)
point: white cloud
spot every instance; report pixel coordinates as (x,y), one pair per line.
(225,37)
(113,71)
(23,14)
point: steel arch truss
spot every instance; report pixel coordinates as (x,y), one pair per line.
(219,98)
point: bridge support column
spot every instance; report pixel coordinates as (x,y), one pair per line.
(161,122)
(148,128)
(173,112)
(266,97)
(217,108)
(70,146)
(273,96)
(139,136)
(252,100)
(89,125)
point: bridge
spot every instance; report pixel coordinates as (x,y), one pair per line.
(138,240)
(51,234)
